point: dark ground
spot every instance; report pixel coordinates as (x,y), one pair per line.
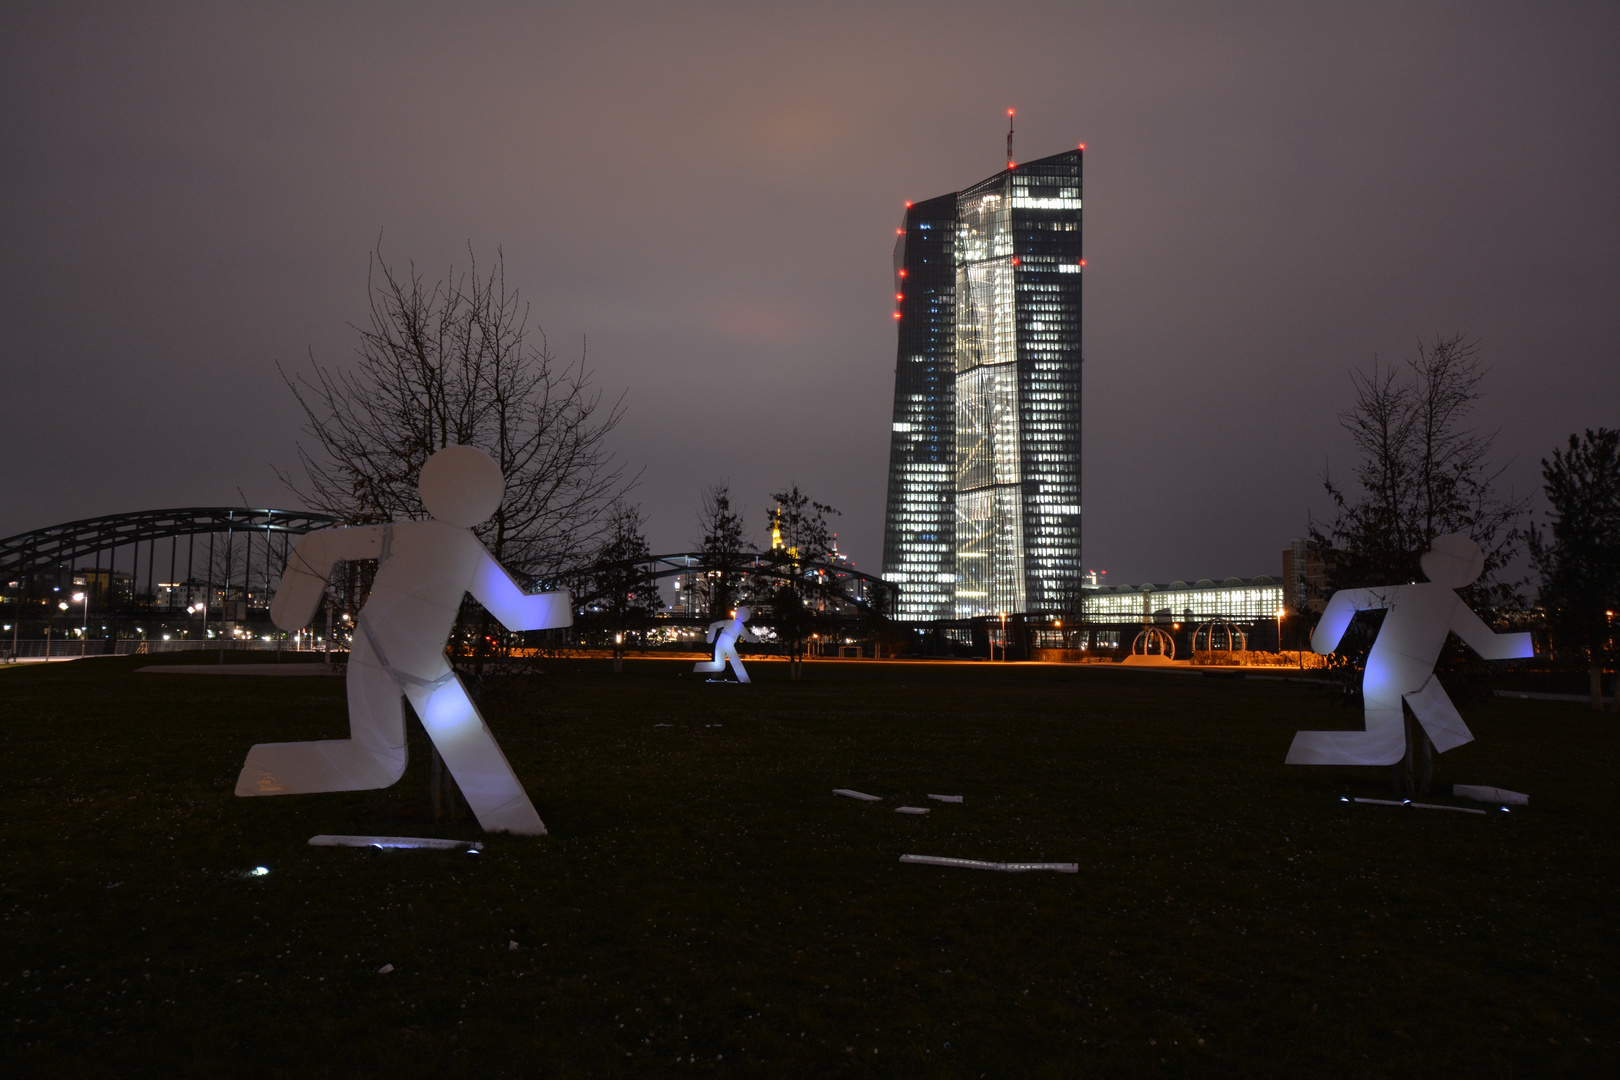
(704,904)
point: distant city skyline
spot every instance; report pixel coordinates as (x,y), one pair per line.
(706,197)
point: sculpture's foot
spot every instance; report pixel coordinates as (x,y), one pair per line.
(328,765)
(471,754)
(1346,748)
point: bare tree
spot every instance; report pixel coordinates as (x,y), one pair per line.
(456,363)
(801,539)
(1423,472)
(724,547)
(627,598)
(1580,560)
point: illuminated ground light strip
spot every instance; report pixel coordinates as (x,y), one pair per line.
(392,842)
(1005,867)
(1417,805)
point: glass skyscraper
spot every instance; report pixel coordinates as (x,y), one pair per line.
(984,460)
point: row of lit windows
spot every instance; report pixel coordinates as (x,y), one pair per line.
(1247,602)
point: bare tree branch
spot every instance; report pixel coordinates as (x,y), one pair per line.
(456,363)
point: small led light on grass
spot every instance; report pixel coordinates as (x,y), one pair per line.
(260,871)
(472,851)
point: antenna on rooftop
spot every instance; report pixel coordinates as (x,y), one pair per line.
(1009,138)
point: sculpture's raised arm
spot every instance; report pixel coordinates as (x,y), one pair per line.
(304,580)
(1336,618)
(515,609)
(1489,644)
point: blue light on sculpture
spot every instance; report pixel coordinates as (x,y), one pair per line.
(423,570)
(724,634)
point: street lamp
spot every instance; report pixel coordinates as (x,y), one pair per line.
(62,606)
(84,631)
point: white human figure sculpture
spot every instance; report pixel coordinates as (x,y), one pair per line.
(424,568)
(1401,664)
(724,634)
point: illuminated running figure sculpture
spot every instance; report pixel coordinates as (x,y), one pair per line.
(724,634)
(424,568)
(1401,664)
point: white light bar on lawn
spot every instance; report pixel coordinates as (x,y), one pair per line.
(1420,805)
(1006,867)
(325,840)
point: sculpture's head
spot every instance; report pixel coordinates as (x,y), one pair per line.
(1453,560)
(742,614)
(461,485)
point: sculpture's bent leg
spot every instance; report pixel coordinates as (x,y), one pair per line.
(373,756)
(717,664)
(473,757)
(1439,716)
(1383,743)
(1384,740)
(736,665)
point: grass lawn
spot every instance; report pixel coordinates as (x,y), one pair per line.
(704,904)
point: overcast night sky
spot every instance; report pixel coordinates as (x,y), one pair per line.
(1275,194)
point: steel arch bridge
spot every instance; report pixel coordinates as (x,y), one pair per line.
(845,582)
(248,547)
(49,551)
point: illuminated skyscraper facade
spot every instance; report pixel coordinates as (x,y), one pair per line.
(919,551)
(984,463)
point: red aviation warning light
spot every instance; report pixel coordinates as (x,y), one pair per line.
(908,204)
(902,273)
(1082,146)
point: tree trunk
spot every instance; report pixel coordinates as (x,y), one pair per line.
(1423,766)
(1594,672)
(480,641)
(1413,775)
(435,782)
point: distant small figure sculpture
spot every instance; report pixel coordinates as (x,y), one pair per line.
(424,568)
(724,634)
(1401,664)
